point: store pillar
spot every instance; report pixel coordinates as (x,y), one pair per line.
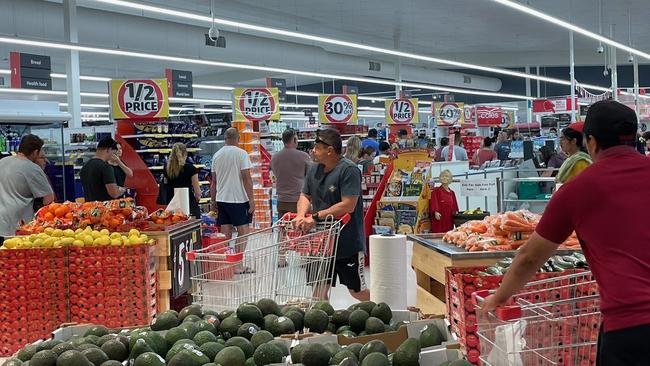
(73,85)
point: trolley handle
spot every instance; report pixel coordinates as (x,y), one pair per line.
(213,250)
(504,313)
(289,216)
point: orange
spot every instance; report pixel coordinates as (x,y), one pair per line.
(49,216)
(61,211)
(69,215)
(52,207)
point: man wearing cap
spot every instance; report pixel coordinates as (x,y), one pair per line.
(333,188)
(604,205)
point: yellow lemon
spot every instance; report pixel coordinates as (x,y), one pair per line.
(42,236)
(49,242)
(79,231)
(116,241)
(102,240)
(32,238)
(134,232)
(135,240)
(38,243)
(48,230)
(11,243)
(78,243)
(69,233)
(96,234)
(25,244)
(57,244)
(105,232)
(57,233)
(144,237)
(67,241)
(116,236)
(88,240)
(125,240)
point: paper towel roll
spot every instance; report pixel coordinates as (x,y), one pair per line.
(181,200)
(388,270)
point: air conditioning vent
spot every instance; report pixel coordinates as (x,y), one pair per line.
(467,79)
(220,42)
(374,66)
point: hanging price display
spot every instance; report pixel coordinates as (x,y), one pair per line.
(139,99)
(256,104)
(337,108)
(449,114)
(401,111)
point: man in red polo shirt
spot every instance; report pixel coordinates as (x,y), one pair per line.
(605,205)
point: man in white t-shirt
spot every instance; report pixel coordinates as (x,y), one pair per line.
(232,187)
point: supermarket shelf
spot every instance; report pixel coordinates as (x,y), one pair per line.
(528,200)
(369,185)
(204,182)
(160,167)
(270,135)
(368,196)
(205,200)
(162,135)
(166,151)
(306,140)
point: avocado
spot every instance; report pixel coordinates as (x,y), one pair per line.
(260,338)
(408,353)
(249,362)
(210,312)
(95,355)
(333,348)
(72,358)
(375,359)
(296,353)
(157,343)
(140,346)
(316,320)
(184,341)
(268,306)
(315,354)
(27,352)
(206,325)
(177,348)
(348,334)
(460,363)
(343,328)
(49,344)
(355,348)
(149,359)
(374,325)
(44,358)
(210,349)
(60,348)
(371,347)
(165,320)
(349,361)
(211,319)
(13,362)
(250,314)
(190,310)
(97,330)
(230,326)
(341,355)
(383,312)
(106,338)
(358,320)
(325,306)
(85,346)
(224,314)
(292,308)
(430,336)
(284,325)
(230,356)
(115,350)
(269,322)
(367,306)
(204,336)
(112,363)
(211,364)
(341,317)
(266,354)
(247,330)
(281,345)
(175,334)
(244,344)
(189,357)
(191,319)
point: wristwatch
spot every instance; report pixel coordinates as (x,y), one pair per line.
(316,216)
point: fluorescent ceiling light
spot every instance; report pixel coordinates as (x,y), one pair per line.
(87,78)
(212,87)
(143,55)
(32,91)
(87,105)
(299,105)
(572,27)
(313,38)
(199,100)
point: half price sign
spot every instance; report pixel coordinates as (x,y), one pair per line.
(256,104)
(139,99)
(401,111)
(337,108)
(449,114)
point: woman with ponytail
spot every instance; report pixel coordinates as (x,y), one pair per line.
(181,174)
(578,160)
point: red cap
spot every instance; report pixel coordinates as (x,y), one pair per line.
(578,126)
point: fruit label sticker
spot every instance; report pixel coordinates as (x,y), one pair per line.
(401,111)
(256,104)
(449,114)
(337,108)
(139,99)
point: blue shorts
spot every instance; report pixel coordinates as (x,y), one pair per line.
(235,214)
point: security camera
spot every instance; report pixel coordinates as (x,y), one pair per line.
(630,58)
(600,49)
(213,32)
(606,72)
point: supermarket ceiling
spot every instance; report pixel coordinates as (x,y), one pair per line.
(476,31)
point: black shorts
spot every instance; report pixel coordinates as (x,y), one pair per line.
(349,271)
(624,347)
(235,214)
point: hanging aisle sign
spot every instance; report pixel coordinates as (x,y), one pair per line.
(449,114)
(401,111)
(139,98)
(256,104)
(337,108)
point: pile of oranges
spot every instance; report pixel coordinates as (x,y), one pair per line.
(167,218)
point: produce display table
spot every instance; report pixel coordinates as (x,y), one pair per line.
(431,257)
(173,274)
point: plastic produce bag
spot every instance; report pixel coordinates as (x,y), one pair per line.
(508,344)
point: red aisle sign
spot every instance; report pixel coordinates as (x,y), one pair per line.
(554,105)
(489,116)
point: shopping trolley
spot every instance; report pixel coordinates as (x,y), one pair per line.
(281,263)
(554,321)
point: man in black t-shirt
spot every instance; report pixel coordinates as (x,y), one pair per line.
(333,187)
(97,176)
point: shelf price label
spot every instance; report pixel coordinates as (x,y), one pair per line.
(337,108)
(256,104)
(401,111)
(449,114)
(180,245)
(139,99)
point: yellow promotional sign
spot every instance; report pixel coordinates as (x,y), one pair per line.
(449,114)
(256,104)
(337,108)
(139,99)
(401,111)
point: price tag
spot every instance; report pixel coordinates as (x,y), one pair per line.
(337,108)
(479,188)
(180,245)
(449,114)
(256,104)
(401,111)
(139,99)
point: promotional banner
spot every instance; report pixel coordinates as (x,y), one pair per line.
(401,111)
(554,105)
(256,104)
(449,114)
(135,99)
(489,116)
(470,115)
(337,108)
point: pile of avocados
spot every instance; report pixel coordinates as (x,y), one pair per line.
(245,336)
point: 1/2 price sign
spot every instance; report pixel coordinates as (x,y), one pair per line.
(401,111)
(337,108)
(139,99)
(256,104)
(449,114)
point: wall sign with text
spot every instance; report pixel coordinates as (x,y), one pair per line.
(401,111)
(256,104)
(139,98)
(337,108)
(449,114)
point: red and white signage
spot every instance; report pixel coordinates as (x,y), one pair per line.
(256,104)
(139,99)
(337,108)
(489,116)
(449,114)
(554,105)
(401,111)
